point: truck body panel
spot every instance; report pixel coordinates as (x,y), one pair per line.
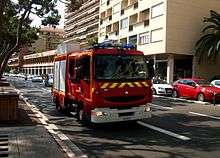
(108,85)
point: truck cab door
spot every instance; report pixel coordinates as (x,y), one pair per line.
(84,75)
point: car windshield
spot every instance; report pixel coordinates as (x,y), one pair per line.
(159,81)
(204,83)
(120,67)
(217,83)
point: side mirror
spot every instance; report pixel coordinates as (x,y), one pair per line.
(87,80)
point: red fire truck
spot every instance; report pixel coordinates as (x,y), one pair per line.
(107,83)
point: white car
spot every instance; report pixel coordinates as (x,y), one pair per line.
(37,78)
(161,87)
(216,83)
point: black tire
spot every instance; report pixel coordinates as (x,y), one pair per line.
(175,94)
(154,91)
(82,117)
(201,97)
(58,106)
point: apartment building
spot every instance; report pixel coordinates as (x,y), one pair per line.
(82,24)
(165,30)
(38,58)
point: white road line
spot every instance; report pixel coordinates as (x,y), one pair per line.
(44,89)
(213,117)
(159,106)
(164,131)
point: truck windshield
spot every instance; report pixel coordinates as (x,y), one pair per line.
(120,67)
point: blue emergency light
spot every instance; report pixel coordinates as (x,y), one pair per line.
(110,44)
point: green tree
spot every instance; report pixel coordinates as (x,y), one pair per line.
(209,43)
(91,40)
(73,5)
(15,29)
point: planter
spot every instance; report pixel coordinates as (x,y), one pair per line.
(8,104)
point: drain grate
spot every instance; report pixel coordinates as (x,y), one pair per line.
(3,146)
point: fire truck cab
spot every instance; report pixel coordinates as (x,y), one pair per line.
(104,84)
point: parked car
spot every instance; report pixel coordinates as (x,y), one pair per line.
(48,80)
(37,78)
(161,87)
(29,77)
(195,88)
(216,83)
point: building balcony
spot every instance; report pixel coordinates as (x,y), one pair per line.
(124,4)
(133,19)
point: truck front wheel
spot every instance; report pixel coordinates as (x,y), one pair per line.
(82,117)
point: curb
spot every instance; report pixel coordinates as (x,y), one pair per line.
(181,99)
(62,140)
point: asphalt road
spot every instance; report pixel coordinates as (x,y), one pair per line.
(178,129)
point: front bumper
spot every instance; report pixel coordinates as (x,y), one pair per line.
(107,115)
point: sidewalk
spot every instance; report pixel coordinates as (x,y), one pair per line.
(27,138)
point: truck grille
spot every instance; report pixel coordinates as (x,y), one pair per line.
(124,98)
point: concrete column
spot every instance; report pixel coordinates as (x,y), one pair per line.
(155,59)
(170,69)
(38,68)
(35,71)
(46,70)
(194,66)
(51,69)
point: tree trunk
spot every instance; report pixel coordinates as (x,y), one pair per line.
(4,63)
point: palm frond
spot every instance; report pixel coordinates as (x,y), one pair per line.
(215,15)
(212,20)
(210,27)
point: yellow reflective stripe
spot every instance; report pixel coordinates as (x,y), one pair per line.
(145,84)
(122,85)
(105,85)
(130,84)
(113,85)
(138,84)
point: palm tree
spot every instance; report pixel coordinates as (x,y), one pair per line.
(209,43)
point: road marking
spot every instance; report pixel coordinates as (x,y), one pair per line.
(162,107)
(164,131)
(44,89)
(213,117)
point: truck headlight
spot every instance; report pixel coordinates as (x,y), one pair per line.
(146,108)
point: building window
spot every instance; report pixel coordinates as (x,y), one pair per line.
(157,10)
(124,23)
(157,35)
(144,38)
(133,40)
(116,8)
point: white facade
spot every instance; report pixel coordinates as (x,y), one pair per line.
(165,30)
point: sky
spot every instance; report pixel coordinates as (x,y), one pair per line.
(37,21)
(60,7)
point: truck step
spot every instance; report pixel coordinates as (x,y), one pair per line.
(73,113)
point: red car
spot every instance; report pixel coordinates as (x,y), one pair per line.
(195,88)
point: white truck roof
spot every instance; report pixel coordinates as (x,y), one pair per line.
(64,48)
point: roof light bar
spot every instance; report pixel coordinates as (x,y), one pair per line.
(112,44)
